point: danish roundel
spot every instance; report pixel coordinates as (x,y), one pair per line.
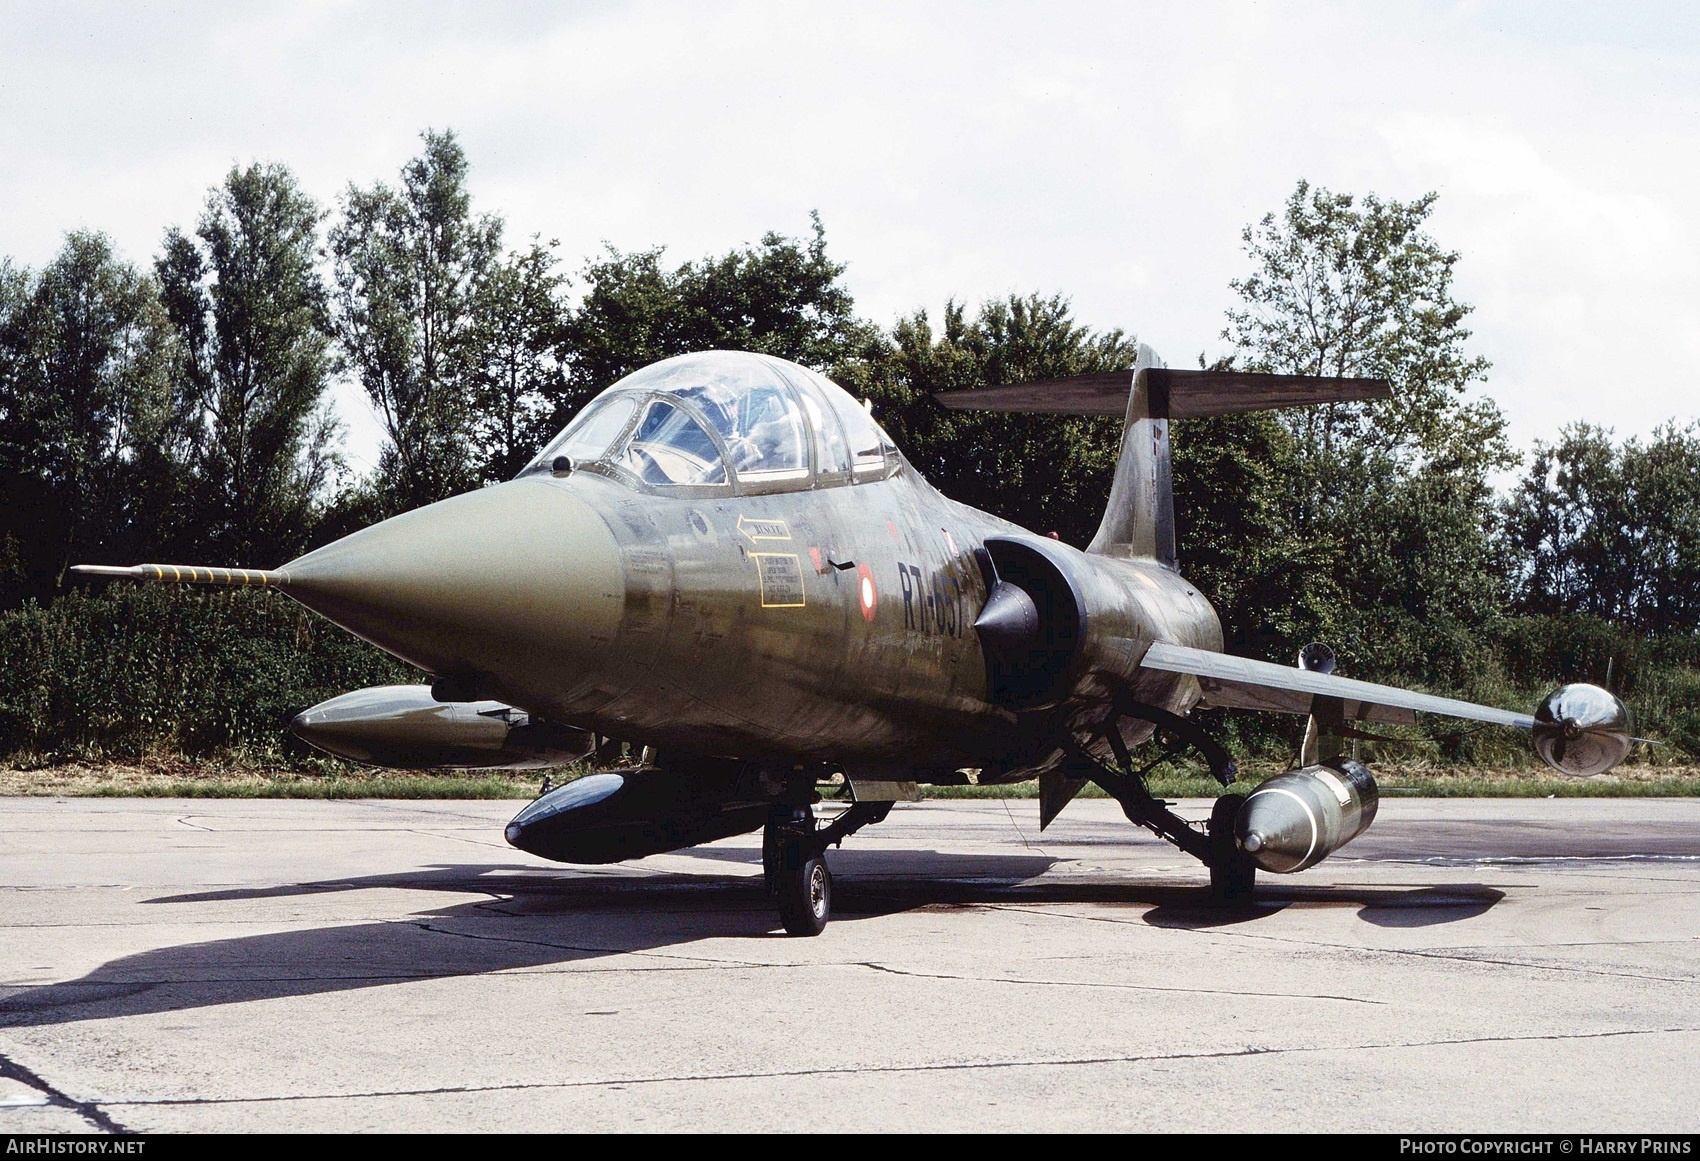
(866,594)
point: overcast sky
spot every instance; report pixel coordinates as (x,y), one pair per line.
(1109,151)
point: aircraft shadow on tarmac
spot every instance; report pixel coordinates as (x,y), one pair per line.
(537,918)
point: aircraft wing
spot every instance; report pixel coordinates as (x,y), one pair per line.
(1241,683)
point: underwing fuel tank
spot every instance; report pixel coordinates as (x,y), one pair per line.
(404,727)
(1299,818)
(604,818)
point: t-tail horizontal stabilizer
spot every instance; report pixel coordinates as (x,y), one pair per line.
(1139,520)
(1172,394)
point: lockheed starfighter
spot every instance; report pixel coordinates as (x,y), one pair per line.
(725,564)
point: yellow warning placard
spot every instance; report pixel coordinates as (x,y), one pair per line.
(781,579)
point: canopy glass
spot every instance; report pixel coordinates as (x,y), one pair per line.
(721,417)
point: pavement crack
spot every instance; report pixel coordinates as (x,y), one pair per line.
(88,1110)
(1019,833)
(887,1069)
(878,967)
(1571,969)
(1361,949)
(1456,955)
(435,930)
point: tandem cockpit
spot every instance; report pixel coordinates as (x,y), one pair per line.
(724,422)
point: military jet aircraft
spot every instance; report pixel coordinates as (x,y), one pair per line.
(725,560)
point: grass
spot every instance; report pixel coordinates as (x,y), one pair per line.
(176,777)
(1454,784)
(398,786)
(172,777)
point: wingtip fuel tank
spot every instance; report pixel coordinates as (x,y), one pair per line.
(405,727)
(1582,730)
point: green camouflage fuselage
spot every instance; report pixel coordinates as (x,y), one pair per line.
(831,623)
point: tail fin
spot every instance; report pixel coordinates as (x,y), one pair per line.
(1139,520)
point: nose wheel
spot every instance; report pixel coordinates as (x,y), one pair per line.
(793,855)
(794,865)
(804,894)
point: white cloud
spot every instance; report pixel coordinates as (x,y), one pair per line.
(1110,151)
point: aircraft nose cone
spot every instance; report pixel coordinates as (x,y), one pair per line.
(523,574)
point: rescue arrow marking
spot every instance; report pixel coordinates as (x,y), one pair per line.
(764,529)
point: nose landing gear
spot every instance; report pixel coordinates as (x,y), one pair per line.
(793,857)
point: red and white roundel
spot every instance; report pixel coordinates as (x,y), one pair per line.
(866,592)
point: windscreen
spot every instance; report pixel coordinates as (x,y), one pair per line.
(669,447)
(590,433)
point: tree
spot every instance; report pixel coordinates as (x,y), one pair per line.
(782,297)
(1611,531)
(1042,472)
(1390,499)
(522,321)
(409,266)
(1234,533)
(85,412)
(249,308)
(1339,289)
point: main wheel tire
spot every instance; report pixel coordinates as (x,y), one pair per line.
(1233,880)
(1233,876)
(804,894)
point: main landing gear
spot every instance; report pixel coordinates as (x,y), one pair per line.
(1233,876)
(793,859)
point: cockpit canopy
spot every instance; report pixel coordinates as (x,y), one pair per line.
(723,420)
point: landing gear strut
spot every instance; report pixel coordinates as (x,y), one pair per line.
(793,859)
(1233,875)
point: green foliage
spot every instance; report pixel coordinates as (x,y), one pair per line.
(1234,538)
(1613,532)
(522,377)
(1343,289)
(142,670)
(1044,473)
(782,297)
(415,786)
(249,310)
(409,268)
(178,415)
(1383,527)
(87,426)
